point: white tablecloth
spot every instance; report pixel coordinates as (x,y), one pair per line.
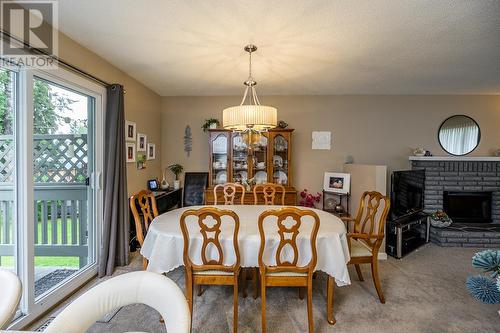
(163,246)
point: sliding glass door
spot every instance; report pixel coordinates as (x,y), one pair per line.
(62,166)
(50,193)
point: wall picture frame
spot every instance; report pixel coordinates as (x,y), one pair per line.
(130,131)
(151,153)
(130,152)
(142,142)
(337,182)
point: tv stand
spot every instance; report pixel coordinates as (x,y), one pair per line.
(405,234)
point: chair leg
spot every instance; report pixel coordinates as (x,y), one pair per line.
(376,280)
(235,300)
(200,290)
(309,307)
(330,289)
(189,292)
(301,293)
(263,301)
(358,270)
(255,283)
(244,282)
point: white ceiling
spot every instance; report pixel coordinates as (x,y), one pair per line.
(190,47)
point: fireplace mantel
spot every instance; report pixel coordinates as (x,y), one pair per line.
(455,158)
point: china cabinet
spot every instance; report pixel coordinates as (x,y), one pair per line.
(266,160)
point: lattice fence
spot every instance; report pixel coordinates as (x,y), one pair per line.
(7,159)
(56,158)
(60,158)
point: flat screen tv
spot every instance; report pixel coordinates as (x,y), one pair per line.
(407,193)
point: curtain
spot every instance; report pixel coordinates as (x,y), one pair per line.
(460,138)
(115,238)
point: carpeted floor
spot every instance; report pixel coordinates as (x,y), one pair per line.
(425,292)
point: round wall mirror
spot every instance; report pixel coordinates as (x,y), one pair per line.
(459,135)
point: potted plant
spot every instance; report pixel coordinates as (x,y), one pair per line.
(210,123)
(440,219)
(141,161)
(176,170)
(308,199)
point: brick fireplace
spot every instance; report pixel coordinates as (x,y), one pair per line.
(470,177)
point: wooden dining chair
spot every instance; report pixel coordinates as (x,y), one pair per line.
(229,191)
(148,211)
(269,194)
(288,221)
(369,227)
(211,271)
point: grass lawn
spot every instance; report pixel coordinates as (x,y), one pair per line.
(70,262)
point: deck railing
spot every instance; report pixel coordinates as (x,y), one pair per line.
(60,193)
(61,228)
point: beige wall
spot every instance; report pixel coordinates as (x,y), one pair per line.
(142,105)
(379,130)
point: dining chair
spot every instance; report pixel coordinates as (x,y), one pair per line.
(288,221)
(270,197)
(229,190)
(148,211)
(269,194)
(142,287)
(369,227)
(10,295)
(212,270)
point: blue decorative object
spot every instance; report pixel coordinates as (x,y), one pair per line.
(488,261)
(483,289)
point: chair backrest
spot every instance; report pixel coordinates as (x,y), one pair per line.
(195,184)
(269,193)
(148,210)
(289,221)
(10,295)
(210,233)
(229,191)
(152,289)
(370,220)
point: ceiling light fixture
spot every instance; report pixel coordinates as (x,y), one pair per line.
(250,115)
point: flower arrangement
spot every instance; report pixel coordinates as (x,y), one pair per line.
(440,219)
(308,199)
(482,288)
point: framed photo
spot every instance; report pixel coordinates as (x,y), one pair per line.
(151,151)
(141,142)
(337,182)
(130,130)
(130,152)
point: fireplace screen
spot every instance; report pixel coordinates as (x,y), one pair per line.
(468,207)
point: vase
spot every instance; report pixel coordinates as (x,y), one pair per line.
(164,184)
(177,184)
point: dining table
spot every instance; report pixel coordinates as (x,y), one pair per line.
(164,244)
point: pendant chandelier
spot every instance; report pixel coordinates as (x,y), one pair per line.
(250,115)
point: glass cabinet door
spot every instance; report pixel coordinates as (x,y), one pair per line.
(219,159)
(259,159)
(240,158)
(280,162)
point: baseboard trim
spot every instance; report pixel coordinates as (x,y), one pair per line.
(382,256)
